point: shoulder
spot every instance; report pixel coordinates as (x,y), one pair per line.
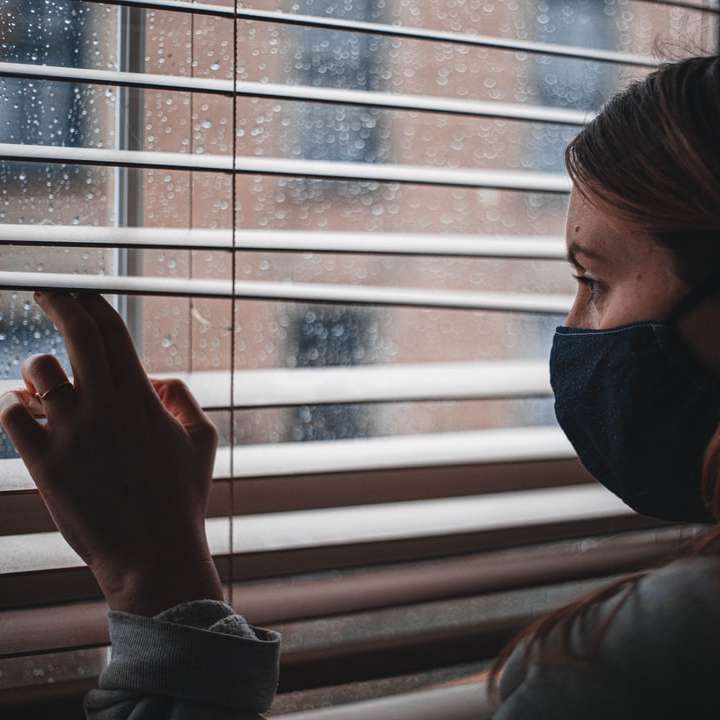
(659,648)
(691,580)
(676,604)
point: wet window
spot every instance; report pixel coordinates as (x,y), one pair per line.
(322,336)
(335,59)
(43,113)
(420,243)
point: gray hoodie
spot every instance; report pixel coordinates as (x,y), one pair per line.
(659,659)
(195,660)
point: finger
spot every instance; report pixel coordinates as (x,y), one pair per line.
(45,377)
(123,359)
(82,339)
(32,403)
(28,436)
(181,403)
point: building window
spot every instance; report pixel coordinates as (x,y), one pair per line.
(41,113)
(336,59)
(36,113)
(322,336)
(568,83)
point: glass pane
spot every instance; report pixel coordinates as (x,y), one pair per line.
(42,112)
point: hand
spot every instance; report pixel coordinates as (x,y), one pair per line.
(124,464)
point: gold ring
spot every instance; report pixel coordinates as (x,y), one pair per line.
(42,396)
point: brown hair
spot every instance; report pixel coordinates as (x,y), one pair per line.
(650,159)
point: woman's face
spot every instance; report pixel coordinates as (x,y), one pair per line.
(627,277)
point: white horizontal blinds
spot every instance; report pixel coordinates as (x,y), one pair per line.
(310,529)
(709,6)
(306,292)
(395,31)
(378,386)
(456,245)
(463,577)
(504,485)
(391,243)
(279,387)
(433,450)
(439,177)
(340,96)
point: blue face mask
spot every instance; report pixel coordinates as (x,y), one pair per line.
(639,410)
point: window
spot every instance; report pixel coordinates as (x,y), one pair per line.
(568,83)
(47,113)
(389,317)
(46,34)
(338,59)
(323,336)
(326,337)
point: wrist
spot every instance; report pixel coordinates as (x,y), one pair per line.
(150,590)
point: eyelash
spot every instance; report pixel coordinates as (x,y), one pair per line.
(589,282)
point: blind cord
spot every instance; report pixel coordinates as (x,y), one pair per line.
(233,262)
(192,185)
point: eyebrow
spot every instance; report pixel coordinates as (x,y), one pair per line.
(576,249)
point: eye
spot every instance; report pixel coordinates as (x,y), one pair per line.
(587,281)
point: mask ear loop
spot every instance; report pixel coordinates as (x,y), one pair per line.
(695,296)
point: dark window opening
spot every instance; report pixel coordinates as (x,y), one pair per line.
(42,33)
(324,337)
(334,59)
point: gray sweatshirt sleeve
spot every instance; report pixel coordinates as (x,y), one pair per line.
(658,658)
(195,660)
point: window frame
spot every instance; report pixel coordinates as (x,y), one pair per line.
(129,129)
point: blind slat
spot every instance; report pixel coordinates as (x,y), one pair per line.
(700,6)
(420,450)
(341,96)
(77,583)
(399,451)
(463,702)
(38,630)
(526,247)
(553,304)
(396,31)
(410,174)
(401,382)
(269,532)
(25,512)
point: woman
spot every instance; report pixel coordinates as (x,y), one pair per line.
(636,377)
